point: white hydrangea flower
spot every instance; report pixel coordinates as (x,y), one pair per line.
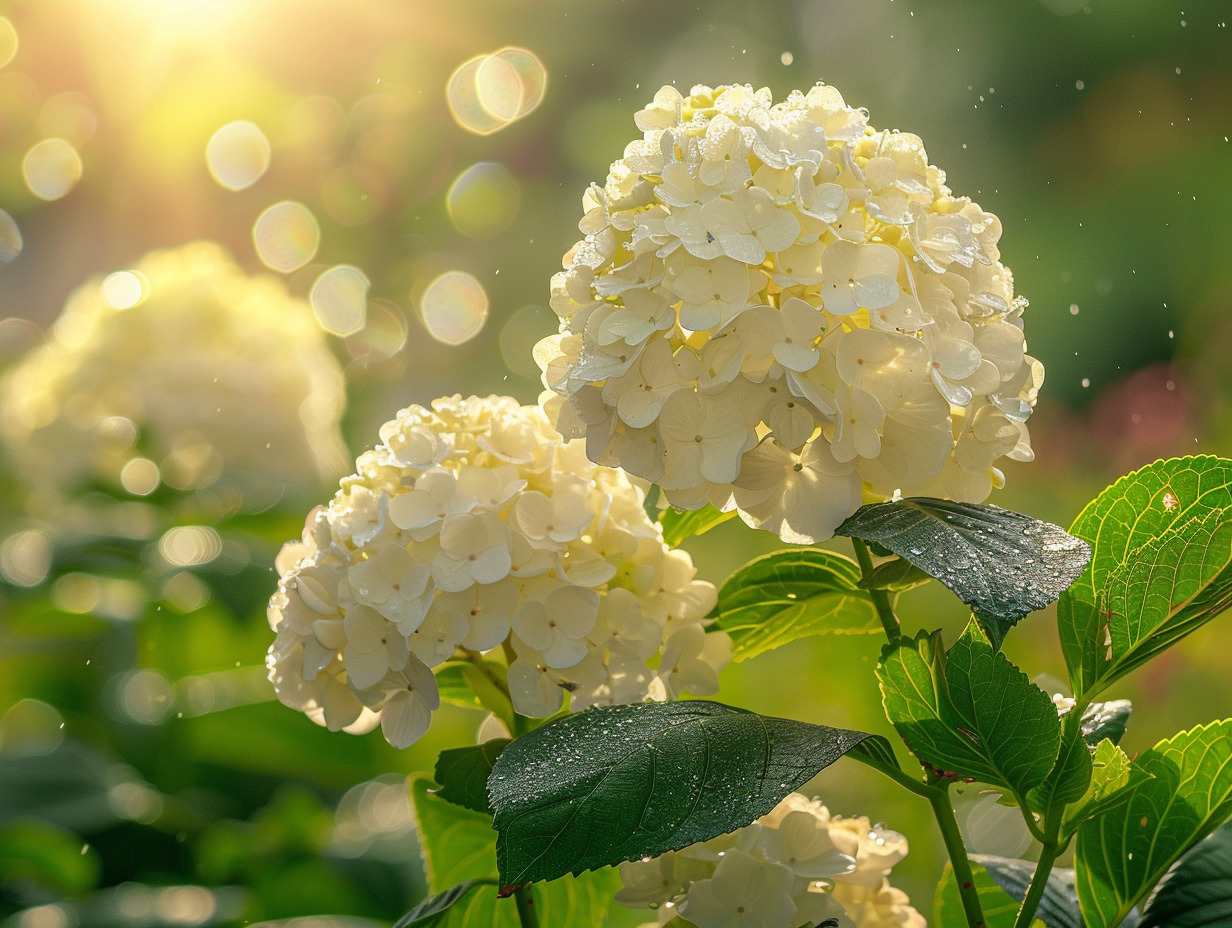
(472,527)
(795,866)
(762,274)
(183,371)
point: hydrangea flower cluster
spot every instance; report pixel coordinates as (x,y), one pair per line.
(183,371)
(795,866)
(778,309)
(473,526)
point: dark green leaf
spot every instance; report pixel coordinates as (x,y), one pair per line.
(1113,780)
(998,906)
(1162,567)
(679,524)
(1122,854)
(1001,563)
(623,782)
(1070,777)
(1058,907)
(876,753)
(1198,893)
(431,911)
(970,713)
(1106,720)
(460,845)
(463,773)
(792,594)
(896,576)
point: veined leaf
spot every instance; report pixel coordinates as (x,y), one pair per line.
(895,576)
(431,911)
(1058,907)
(999,907)
(970,713)
(1122,854)
(679,524)
(1113,781)
(792,594)
(1198,893)
(1162,567)
(460,845)
(623,782)
(463,773)
(1001,563)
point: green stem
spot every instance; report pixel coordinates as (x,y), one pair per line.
(1030,902)
(944,813)
(527,917)
(881,599)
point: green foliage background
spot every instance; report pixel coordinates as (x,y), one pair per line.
(1097,132)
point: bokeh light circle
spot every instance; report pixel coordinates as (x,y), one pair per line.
(10,239)
(339,298)
(124,289)
(454,307)
(237,155)
(190,545)
(519,335)
(51,168)
(9,42)
(483,201)
(488,92)
(286,236)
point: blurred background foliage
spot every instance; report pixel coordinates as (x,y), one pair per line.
(146,775)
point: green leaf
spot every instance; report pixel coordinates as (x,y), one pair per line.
(792,594)
(430,911)
(1123,853)
(622,782)
(460,845)
(1162,566)
(474,686)
(463,773)
(876,752)
(970,713)
(1198,893)
(1001,563)
(896,576)
(1058,907)
(679,524)
(998,906)
(1070,777)
(1113,780)
(1106,720)
(41,855)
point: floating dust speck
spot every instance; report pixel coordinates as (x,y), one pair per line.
(286,236)
(339,298)
(483,201)
(51,168)
(237,155)
(454,308)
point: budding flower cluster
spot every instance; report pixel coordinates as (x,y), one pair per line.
(778,309)
(795,866)
(473,526)
(183,371)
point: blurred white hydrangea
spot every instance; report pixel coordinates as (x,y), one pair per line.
(795,866)
(185,372)
(474,527)
(778,309)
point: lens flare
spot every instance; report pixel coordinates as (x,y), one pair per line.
(10,239)
(454,308)
(9,42)
(237,155)
(124,289)
(488,92)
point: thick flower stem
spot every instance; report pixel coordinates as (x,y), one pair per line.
(881,599)
(944,813)
(527,917)
(1030,902)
